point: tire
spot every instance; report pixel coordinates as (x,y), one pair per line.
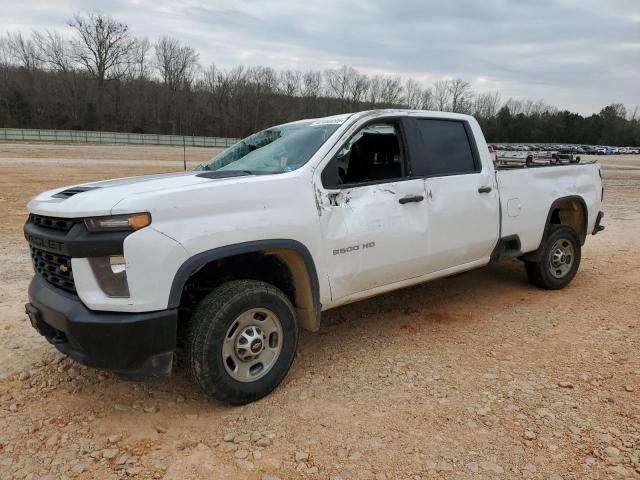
(555,269)
(224,329)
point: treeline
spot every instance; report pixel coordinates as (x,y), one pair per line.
(104,78)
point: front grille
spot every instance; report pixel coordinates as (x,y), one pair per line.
(63,224)
(56,269)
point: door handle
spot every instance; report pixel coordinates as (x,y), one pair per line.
(411,198)
(484,190)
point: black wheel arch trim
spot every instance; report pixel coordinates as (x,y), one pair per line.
(535,255)
(557,202)
(191,265)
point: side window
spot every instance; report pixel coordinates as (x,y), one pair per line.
(444,148)
(374,154)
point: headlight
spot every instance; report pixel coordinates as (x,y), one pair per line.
(118,223)
(111,273)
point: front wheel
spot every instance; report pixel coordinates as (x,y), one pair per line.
(559,260)
(241,341)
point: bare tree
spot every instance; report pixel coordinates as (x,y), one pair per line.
(209,79)
(290,82)
(540,107)
(375,87)
(442,95)
(391,91)
(235,80)
(312,84)
(358,86)
(263,79)
(339,80)
(427,101)
(615,110)
(175,63)
(486,104)
(413,94)
(53,50)
(5,64)
(5,54)
(460,95)
(102,45)
(23,51)
(139,59)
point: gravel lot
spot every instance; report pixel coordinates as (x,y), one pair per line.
(474,376)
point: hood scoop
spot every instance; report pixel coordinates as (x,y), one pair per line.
(70,192)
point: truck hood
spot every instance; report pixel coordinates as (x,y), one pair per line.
(99,198)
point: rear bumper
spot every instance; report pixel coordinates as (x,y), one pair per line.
(137,346)
(598,226)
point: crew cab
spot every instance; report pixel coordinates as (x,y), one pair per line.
(228,262)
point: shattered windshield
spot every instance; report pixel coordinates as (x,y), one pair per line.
(275,150)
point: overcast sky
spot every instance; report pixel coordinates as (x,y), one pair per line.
(575,54)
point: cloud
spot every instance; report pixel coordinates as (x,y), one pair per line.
(576,54)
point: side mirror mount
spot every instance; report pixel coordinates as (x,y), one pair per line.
(330,176)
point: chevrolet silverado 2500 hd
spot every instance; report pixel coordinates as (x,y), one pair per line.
(232,259)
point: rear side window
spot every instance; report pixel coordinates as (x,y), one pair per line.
(443,148)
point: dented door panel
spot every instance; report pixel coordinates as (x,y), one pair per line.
(371,239)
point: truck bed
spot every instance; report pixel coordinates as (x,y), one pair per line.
(527,193)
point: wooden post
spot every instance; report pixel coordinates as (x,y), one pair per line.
(184,153)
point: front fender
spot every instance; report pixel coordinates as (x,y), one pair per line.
(191,265)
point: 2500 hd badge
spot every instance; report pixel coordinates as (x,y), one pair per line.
(353,248)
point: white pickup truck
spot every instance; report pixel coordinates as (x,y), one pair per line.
(232,259)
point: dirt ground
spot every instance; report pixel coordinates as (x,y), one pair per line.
(474,376)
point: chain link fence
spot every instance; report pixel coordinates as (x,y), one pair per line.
(78,136)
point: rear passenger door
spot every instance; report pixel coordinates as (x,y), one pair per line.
(462,201)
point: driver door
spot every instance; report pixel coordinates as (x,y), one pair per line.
(373,215)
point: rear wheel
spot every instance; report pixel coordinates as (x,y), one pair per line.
(241,341)
(559,259)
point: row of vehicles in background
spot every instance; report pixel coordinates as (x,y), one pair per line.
(567,149)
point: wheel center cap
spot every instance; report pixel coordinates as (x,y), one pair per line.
(249,343)
(256,346)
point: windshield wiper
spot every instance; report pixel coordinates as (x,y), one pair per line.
(224,173)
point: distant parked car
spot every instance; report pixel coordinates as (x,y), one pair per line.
(589,150)
(604,150)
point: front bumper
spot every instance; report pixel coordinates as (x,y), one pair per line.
(137,346)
